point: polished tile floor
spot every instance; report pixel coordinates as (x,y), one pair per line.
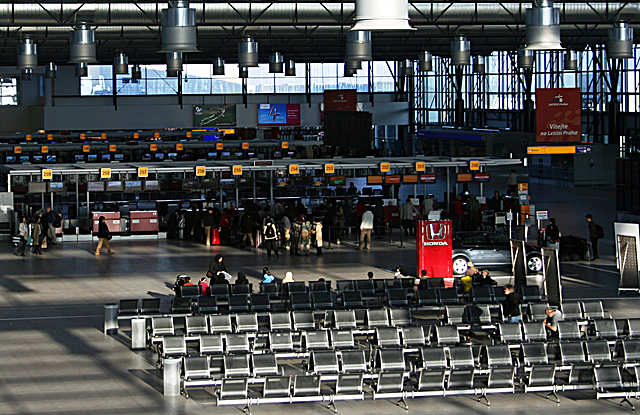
(54,358)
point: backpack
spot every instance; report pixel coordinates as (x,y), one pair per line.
(599,232)
(270,232)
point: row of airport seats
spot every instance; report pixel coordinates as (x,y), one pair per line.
(229,298)
(411,373)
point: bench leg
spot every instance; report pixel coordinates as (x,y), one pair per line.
(628,402)
(247,409)
(483,396)
(332,406)
(402,403)
(553,393)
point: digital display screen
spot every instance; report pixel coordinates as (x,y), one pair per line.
(95,186)
(37,159)
(427,178)
(118,157)
(11,159)
(51,158)
(151,185)
(172,156)
(130,185)
(282,181)
(464,177)
(410,178)
(279,114)
(318,182)
(24,159)
(392,179)
(56,186)
(212,154)
(146,157)
(277,154)
(337,180)
(374,180)
(105,157)
(251,155)
(226,153)
(79,157)
(114,186)
(92,157)
(159,156)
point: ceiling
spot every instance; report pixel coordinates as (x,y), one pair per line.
(303,30)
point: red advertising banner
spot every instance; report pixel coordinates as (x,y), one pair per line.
(340,100)
(558,115)
(435,248)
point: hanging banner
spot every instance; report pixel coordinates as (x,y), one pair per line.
(340,100)
(435,248)
(558,115)
(214,115)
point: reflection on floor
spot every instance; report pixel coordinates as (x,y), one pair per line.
(55,360)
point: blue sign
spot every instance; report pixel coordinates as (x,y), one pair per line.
(583,149)
(272,114)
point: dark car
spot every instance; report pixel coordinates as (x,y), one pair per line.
(487,248)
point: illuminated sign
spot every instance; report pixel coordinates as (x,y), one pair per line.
(237,170)
(105,173)
(47,174)
(245,145)
(153,147)
(44,149)
(285,145)
(421,166)
(201,171)
(294,169)
(385,167)
(86,148)
(179,147)
(219,146)
(17,149)
(474,165)
(329,168)
(112,148)
(143,172)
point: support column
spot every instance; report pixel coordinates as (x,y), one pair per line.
(447,190)
(78,196)
(271,186)
(253,175)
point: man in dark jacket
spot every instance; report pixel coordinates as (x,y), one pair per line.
(209,221)
(511,304)
(552,233)
(595,232)
(103,236)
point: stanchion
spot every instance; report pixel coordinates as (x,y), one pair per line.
(171,376)
(110,318)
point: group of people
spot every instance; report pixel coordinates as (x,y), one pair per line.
(39,232)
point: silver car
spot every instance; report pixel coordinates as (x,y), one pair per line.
(484,249)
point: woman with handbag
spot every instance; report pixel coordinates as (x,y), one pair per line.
(104,236)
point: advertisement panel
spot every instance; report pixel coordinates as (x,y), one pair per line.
(434,248)
(340,100)
(214,115)
(278,114)
(557,115)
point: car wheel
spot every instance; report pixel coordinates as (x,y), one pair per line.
(534,264)
(460,265)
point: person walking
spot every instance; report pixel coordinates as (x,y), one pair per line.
(552,234)
(36,236)
(366,226)
(209,221)
(104,236)
(317,231)
(511,304)
(23,232)
(595,232)
(406,216)
(270,236)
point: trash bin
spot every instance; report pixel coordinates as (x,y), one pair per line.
(171,376)
(110,318)
(138,333)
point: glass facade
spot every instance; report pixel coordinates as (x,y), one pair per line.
(198,79)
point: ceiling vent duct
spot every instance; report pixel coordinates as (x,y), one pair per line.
(82,48)
(136,74)
(620,41)
(290,67)
(479,65)
(349,72)
(358,46)
(425,61)
(276,63)
(82,69)
(178,28)
(174,64)
(570,60)
(50,71)
(121,64)
(248,52)
(526,58)
(543,26)
(460,51)
(218,66)
(243,72)
(382,15)
(27,57)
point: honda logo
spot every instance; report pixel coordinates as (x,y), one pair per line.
(435,234)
